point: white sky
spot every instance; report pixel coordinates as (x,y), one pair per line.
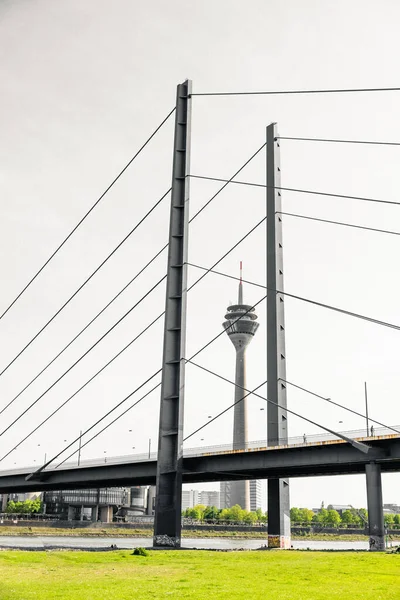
(83,84)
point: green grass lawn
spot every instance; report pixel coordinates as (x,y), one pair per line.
(202,575)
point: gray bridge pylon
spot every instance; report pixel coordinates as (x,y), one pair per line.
(167,522)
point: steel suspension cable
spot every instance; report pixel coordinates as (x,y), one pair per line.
(127,397)
(72,366)
(124,400)
(86,281)
(110,424)
(133,279)
(292,412)
(341,223)
(297,92)
(88,213)
(330,401)
(133,405)
(81,358)
(307,300)
(305,139)
(97,422)
(84,328)
(299,191)
(223,411)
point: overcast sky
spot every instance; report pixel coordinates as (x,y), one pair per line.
(83,84)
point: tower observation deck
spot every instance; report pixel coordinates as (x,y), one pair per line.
(240,332)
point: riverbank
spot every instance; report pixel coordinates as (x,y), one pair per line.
(198,575)
(116,532)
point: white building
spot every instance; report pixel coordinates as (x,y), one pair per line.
(189,498)
(255,494)
(209,498)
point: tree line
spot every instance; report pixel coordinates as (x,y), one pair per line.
(235,514)
(326,517)
(26,507)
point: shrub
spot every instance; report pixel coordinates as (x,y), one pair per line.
(140,552)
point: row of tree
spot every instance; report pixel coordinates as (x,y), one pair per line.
(27,507)
(326,517)
(331,518)
(236,514)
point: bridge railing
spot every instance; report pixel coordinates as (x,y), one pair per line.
(301,440)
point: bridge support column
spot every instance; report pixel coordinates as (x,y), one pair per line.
(278,489)
(95,513)
(375,507)
(167,520)
(106,514)
(4,501)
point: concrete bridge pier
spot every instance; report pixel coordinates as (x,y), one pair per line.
(375,507)
(4,502)
(95,512)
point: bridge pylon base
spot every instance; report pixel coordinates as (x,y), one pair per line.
(279,541)
(166,541)
(375,507)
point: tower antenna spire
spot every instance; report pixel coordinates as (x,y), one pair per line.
(240,298)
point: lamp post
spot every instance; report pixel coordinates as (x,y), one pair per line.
(79,449)
(366,407)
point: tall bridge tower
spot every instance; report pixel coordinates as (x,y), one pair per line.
(240,332)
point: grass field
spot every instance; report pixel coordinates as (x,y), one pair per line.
(201,575)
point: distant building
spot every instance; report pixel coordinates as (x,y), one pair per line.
(255,494)
(340,508)
(21,497)
(209,498)
(391,508)
(225,494)
(189,498)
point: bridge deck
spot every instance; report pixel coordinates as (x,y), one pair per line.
(298,458)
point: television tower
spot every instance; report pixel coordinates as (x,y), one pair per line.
(240,332)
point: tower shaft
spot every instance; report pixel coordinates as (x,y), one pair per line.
(240,490)
(240,431)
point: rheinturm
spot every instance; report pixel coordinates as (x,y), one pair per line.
(241,326)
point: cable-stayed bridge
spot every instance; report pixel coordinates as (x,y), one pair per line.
(374,450)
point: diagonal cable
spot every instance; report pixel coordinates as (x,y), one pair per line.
(230,180)
(86,281)
(109,424)
(352,225)
(54,412)
(84,328)
(305,139)
(88,213)
(83,356)
(126,398)
(299,191)
(359,445)
(306,300)
(222,411)
(299,387)
(286,92)
(97,422)
(133,279)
